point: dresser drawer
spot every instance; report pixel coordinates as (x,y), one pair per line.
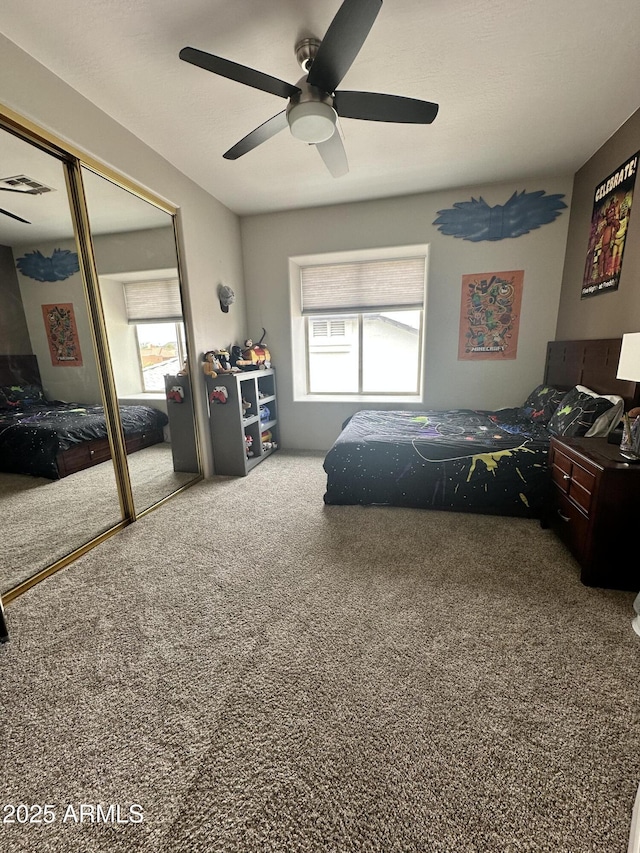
(571,525)
(573,479)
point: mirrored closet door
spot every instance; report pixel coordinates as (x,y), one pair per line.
(137,267)
(53,501)
(97,421)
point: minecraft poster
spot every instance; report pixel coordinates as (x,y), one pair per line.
(490,315)
(608,231)
(62,335)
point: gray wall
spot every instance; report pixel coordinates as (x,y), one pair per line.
(209,233)
(14,334)
(611,313)
(269,240)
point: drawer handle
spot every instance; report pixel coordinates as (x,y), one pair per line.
(563,517)
(91,452)
(566,477)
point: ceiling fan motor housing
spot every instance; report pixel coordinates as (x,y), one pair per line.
(310,114)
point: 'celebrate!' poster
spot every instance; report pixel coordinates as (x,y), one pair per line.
(608,232)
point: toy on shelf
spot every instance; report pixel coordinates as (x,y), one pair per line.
(257,354)
(239,361)
(184,370)
(224,360)
(246,409)
(210,364)
(248,441)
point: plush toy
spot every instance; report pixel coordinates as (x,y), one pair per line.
(248,441)
(238,360)
(257,353)
(224,360)
(211,366)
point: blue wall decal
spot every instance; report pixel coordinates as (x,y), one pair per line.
(475,220)
(59,266)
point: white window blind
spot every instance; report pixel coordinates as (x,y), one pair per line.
(153,301)
(361,286)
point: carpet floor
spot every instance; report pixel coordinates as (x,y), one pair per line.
(245,670)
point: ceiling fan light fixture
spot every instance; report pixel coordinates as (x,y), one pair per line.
(312,121)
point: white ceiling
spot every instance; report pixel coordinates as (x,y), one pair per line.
(525,88)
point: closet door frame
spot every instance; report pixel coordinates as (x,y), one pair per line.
(73,159)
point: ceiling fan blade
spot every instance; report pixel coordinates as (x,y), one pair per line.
(266,130)
(334,156)
(239,73)
(13,216)
(373,106)
(342,43)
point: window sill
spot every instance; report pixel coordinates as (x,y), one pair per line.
(144,395)
(358,398)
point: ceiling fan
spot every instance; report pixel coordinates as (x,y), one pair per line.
(315,102)
(23,185)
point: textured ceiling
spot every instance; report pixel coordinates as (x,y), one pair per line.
(525,88)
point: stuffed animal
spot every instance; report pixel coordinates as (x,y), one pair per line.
(211,366)
(238,360)
(224,360)
(257,353)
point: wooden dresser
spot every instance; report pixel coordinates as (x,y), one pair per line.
(594,507)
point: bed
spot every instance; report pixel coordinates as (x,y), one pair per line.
(465,460)
(51,438)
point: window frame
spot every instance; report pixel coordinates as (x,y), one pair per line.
(300,326)
(181,350)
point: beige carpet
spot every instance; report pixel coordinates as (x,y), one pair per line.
(44,520)
(261,673)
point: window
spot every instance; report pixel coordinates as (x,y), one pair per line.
(358,324)
(154,308)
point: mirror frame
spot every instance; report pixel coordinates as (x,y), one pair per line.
(73,159)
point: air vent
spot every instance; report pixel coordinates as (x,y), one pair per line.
(24,184)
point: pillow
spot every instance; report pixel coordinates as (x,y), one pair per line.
(12,396)
(576,413)
(608,421)
(542,402)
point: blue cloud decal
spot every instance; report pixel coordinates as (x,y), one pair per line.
(59,266)
(475,220)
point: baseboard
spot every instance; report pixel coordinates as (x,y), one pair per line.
(634,835)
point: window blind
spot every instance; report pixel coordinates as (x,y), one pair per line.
(361,286)
(153,301)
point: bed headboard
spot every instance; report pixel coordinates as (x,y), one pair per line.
(19,370)
(593,363)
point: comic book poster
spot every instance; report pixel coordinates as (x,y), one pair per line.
(62,335)
(490,315)
(608,230)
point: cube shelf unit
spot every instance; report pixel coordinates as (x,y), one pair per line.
(230,423)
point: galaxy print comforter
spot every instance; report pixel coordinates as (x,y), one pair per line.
(463,460)
(31,438)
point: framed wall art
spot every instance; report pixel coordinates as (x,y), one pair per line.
(490,315)
(62,335)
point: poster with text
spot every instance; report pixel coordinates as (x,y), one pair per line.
(490,315)
(62,335)
(608,230)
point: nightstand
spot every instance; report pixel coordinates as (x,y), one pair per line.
(594,506)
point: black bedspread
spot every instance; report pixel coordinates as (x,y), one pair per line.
(462,459)
(31,437)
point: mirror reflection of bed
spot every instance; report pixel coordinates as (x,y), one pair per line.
(55,500)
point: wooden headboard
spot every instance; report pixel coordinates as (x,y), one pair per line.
(592,363)
(19,370)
